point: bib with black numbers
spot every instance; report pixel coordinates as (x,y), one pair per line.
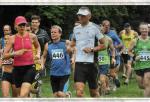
(144,55)
(142,49)
(101,58)
(126,51)
(57,54)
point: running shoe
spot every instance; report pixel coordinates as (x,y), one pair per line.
(68,94)
(126,82)
(124,76)
(117,83)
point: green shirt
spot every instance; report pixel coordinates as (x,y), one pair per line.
(103,56)
(142,49)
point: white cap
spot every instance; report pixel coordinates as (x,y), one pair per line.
(83,11)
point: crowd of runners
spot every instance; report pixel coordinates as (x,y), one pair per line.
(93,54)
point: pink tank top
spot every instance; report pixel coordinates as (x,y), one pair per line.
(27,57)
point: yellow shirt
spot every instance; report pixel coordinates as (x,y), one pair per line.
(127,38)
(38,66)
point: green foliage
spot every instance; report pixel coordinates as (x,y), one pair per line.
(65,16)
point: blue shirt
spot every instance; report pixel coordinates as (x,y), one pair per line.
(115,38)
(60,59)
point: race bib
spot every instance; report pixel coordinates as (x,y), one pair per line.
(57,54)
(101,58)
(144,55)
(7,62)
(126,51)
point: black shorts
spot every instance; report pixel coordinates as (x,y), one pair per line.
(58,82)
(126,58)
(8,77)
(86,72)
(142,71)
(24,74)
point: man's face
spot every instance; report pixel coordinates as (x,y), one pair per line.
(35,24)
(127,29)
(6,30)
(144,30)
(84,19)
(28,28)
(106,27)
(55,34)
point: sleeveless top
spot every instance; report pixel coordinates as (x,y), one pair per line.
(127,39)
(103,56)
(60,59)
(142,49)
(27,57)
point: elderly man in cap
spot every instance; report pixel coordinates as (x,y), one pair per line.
(84,37)
(127,36)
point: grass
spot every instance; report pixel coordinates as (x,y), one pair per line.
(125,91)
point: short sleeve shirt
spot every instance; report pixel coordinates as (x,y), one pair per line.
(85,36)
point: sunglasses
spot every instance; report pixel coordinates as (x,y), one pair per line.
(22,24)
(82,15)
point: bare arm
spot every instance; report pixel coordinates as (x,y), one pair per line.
(136,34)
(101,46)
(36,45)
(132,44)
(43,58)
(70,45)
(8,47)
(111,46)
(120,34)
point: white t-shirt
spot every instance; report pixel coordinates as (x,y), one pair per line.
(85,37)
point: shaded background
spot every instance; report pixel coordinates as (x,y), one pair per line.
(65,16)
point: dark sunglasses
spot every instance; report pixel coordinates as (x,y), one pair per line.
(82,15)
(22,24)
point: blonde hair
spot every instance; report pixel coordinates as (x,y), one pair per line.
(57,27)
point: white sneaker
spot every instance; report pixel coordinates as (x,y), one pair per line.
(126,81)
(114,88)
(68,94)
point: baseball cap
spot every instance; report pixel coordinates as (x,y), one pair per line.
(127,25)
(20,20)
(83,11)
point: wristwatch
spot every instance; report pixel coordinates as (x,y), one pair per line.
(92,49)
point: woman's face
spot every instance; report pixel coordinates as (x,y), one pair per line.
(21,28)
(144,30)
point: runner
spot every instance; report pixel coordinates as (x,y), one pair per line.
(28,27)
(42,36)
(104,64)
(60,61)
(36,85)
(7,77)
(117,44)
(127,35)
(141,48)
(24,68)
(84,38)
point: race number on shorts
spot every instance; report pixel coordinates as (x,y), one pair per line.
(57,54)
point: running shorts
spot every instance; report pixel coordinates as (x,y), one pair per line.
(24,74)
